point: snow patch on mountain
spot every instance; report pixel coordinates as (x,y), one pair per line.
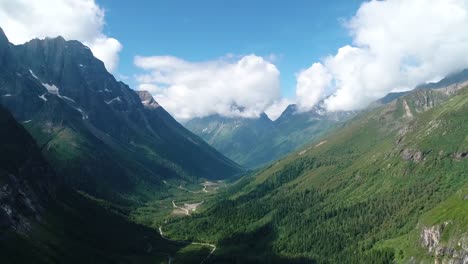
(43,97)
(68,98)
(115,99)
(51,88)
(32,73)
(83,114)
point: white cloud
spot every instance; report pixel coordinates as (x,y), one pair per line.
(107,50)
(397,44)
(83,20)
(311,85)
(277,108)
(227,86)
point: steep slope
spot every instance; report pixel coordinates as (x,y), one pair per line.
(26,180)
(44,222)
(295,129)
(253,142)
(95,130)
(382,188)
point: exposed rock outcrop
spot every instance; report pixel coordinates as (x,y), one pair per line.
(412,154)
(147,99)
(430,237)
(460,155)
(451,252)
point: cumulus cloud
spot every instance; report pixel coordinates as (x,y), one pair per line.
(83,20)
(316,77)
(397,44)
(230,86)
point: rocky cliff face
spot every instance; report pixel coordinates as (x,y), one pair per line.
(451,252)
(26,180)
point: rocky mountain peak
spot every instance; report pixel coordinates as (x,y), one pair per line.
(264,117)
(147,99)
(4,46)
(3,39)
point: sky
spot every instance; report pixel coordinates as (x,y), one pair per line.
(295,32)
(242,58)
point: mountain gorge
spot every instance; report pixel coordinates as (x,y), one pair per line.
(97,133)
(255,142)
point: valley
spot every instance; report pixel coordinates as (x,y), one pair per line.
(378,198)
(216,141)
(184,203)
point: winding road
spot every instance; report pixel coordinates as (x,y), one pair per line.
(213,247)
(181,208)
(205,185)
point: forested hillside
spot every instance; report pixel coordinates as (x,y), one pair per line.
(372,192)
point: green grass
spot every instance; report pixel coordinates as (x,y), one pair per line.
(454,211)
(340,201)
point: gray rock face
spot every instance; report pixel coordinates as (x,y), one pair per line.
(453,252)
(147,99)
(411,154)
(460,155)
(430,237)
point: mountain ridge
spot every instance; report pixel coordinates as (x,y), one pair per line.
(83,118)
(255,142)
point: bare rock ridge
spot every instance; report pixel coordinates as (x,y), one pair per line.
(147,99)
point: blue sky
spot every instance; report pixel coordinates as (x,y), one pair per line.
(205,57)
(296,32)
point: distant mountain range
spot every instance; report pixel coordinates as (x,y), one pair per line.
(254,142)
(98,134)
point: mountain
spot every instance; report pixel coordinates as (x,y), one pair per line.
(389,186)
(459,79)
(26,180)
(240,139)
(456,79)
(98,134)
(42,221)
(254,142)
